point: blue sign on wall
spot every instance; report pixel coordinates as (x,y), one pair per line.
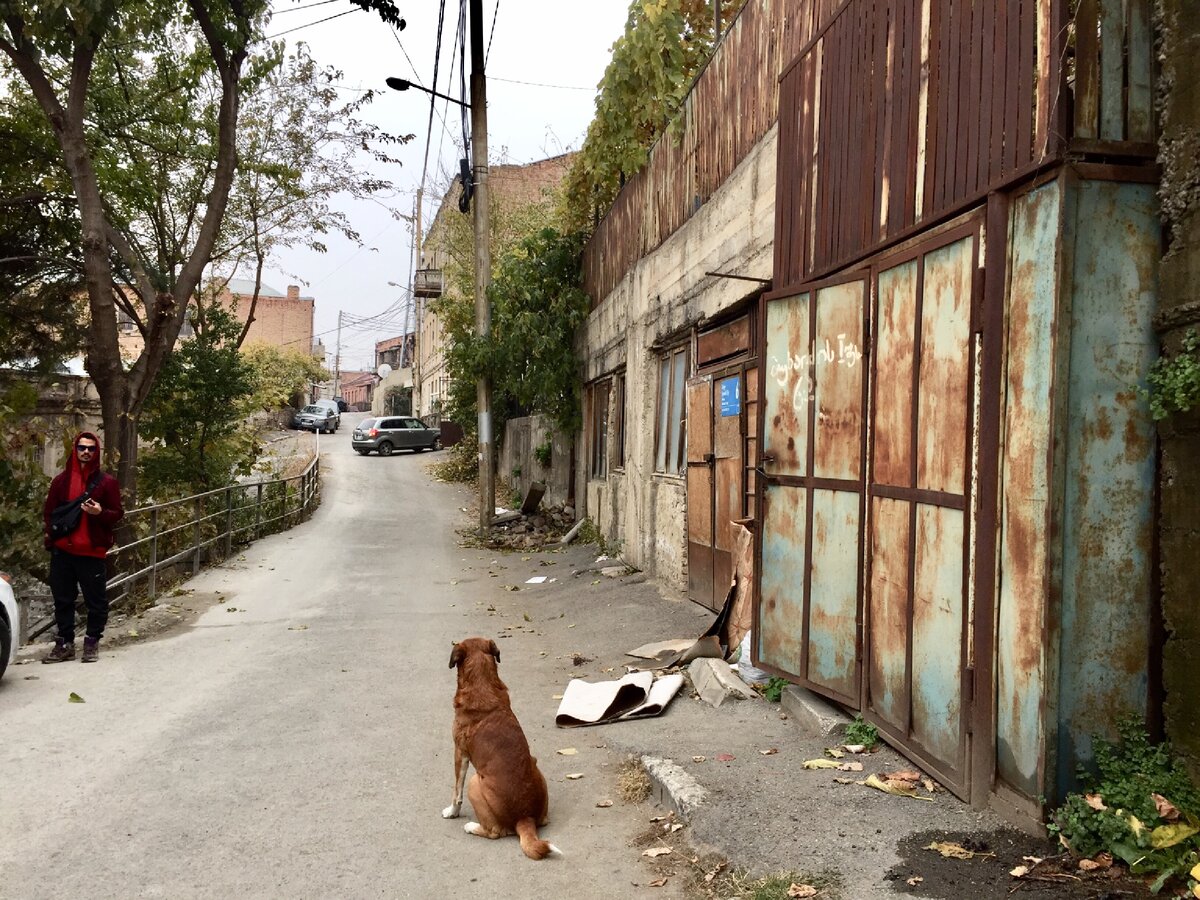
(731,395)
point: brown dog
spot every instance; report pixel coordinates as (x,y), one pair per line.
(507,791)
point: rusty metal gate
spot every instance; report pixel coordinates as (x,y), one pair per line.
(865,555)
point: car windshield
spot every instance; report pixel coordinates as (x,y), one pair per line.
(314,409)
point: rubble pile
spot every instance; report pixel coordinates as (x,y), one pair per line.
(545,526)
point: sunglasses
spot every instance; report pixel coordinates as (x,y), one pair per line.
(86,448)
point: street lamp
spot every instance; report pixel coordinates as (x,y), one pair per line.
(402,84)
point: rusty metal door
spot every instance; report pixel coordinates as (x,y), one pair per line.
(719,414)
(923,441)
(809,618)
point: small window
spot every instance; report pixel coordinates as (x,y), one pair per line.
(600,392)
(619,420)
(670,428)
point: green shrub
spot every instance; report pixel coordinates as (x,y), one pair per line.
(862,732)
(1138,804)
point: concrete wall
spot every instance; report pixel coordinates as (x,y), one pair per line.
(520,468)
(666,295)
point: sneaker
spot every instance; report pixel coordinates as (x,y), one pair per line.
(61,652)
(91,649)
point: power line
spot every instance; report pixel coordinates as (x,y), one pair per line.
(279,12)
(487,54)
(310,24)
(561,87)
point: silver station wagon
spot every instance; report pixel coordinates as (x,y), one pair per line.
(390,433)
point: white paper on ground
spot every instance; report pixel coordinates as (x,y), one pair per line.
(636,695)
(536,579)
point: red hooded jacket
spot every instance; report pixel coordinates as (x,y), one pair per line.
(94,534)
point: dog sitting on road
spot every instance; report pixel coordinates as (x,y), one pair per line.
(507,791)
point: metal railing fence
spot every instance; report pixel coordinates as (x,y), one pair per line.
(172,540)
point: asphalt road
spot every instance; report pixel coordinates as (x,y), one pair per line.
(295,740)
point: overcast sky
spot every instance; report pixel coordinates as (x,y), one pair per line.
(561,44)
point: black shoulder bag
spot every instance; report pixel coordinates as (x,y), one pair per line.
(65,517)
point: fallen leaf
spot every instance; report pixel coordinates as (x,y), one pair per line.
(574,776)
(1166,809)
(556,696)
(801,890)
(659,818)
(834,752)
(603,804)
(597,581)
(511,587)
(527,617)
(1195,873)
(656,851)
(658,882)
(698,759)
(770,752)
(75,698)
(820,764)
(133,634)
(1095,801)
(855,748)
(1101,861)
(914,881)
(674,827)
(1019,871)
(951,850)
(896,788)
(709,876)
(566,751)
(231,609)
(1169,835)
(903,775)
(850,767)
(844,780)
(297,628)
(1033,860)
(929,785)
(725,757)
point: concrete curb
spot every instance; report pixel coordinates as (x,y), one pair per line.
(672,787)
(812,713)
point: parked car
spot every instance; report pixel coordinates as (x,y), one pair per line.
(334,407)
(10,623)
(316,418)
(342,405)
(390,433)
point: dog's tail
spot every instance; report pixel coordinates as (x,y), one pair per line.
(533,846)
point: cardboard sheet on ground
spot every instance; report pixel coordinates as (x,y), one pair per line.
(637,695)
(731,624)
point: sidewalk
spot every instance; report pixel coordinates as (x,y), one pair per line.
(763,813)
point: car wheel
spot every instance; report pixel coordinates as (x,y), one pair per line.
(437,444)
(5,644)
(363,452)
(385,448)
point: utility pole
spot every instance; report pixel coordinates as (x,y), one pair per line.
(414,300)
(483,264)
(337,360)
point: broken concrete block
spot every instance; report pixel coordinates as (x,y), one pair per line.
(533,497)
(715,681)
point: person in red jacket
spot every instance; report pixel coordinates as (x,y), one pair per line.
(77,560)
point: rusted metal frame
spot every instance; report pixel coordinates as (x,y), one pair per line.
(987,102)
(991,328)
(952,80)
(810,453)
(1026,109)
(820,28)
(785,184)
(966,63)
(1014,100)
(912,110)
(1032,170)
(863,163)
(884,260)
(821,220)
(841,89)
(1139,62)
(1150,174)
(996,98)
(975,105)
(1113,149)
(805,162)
(899,97)
(1112,71)
(932,108)
(966,689)
(924,496)
(864,503)
(914,414)
(850,200)
(818,482)
(879,106)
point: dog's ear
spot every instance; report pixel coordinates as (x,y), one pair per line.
(456,656)
(494,650)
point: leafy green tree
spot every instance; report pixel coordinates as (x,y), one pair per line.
(537,303)
(665,44)
(299,145)
(23,486)
(280,376)
(194,417)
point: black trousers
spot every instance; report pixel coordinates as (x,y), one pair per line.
(70,574)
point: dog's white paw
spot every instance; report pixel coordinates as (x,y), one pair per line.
(473,828)
(451,811)
(556,853)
